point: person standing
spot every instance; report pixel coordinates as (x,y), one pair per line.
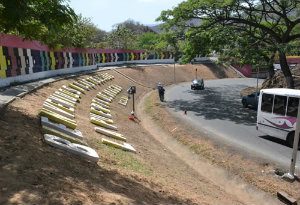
(161,91)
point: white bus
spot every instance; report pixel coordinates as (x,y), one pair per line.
(277,113)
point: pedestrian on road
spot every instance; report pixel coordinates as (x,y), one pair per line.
(161,91)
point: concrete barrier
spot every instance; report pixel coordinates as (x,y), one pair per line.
(124,146)
(98,112)
(62,128)
(110,133)
(77,149)
(58,118)
(102,123)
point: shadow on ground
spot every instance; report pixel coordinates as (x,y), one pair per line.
(212,105)
(34,173)
(276,140)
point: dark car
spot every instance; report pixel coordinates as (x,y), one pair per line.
(251,100)
(197,84)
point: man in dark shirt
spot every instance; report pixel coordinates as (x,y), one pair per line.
(161,92)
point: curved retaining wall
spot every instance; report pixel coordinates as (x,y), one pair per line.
(22,60)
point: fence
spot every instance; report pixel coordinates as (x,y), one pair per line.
(23,60)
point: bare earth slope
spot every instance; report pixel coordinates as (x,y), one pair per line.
(32,172)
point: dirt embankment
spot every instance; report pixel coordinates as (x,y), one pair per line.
(32,172)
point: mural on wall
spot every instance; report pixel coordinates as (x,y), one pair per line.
(22,57)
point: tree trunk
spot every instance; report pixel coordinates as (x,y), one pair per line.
(286,70)
(271,70)
(271,66)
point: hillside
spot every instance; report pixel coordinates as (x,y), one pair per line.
(32,172)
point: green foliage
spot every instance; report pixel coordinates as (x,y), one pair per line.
(82,33)
(148,41)
(34,19)
(121,38)
(135,27)
(242,31)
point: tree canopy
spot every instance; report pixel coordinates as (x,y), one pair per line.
(34,19)
(272,23)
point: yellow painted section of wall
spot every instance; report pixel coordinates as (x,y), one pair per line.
(3,66)
(87,59)
(52,60)
(103,58)
(293,56)
(132,57)
(162,56)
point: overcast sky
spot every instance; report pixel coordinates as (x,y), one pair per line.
(106,13)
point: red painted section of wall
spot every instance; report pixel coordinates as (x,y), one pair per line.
(246,70)
(18,42)
(293,59)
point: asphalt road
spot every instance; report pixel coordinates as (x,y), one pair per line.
(217,111)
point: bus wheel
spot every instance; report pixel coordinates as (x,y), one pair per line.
(290,139)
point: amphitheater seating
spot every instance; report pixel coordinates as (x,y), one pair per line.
(59,123)
(100,116)
(58,116)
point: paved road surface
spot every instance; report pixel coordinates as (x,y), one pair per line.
(218,112)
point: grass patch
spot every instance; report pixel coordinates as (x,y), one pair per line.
(127,160)
(148,105)
(121,159)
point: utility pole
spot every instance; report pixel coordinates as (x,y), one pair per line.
(174,73)
(291,174)
(257,73)
(133,110)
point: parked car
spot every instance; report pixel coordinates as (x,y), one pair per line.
(251,100)
(197,84)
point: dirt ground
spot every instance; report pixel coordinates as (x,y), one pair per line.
(31,172)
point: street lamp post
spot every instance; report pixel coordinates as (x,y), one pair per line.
(131,91)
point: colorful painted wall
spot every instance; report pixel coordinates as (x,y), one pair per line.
(19,57)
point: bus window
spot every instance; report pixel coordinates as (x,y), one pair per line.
(292,108)
(267,103)
(279,105)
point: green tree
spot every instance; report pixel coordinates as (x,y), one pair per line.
(34,19)
(135,27)
(152,42)
(121,38)
(273,22)
(82,33)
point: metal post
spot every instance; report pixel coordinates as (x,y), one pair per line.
(133,103)
(295,146)
(257,72)
(196,74)
(174,73)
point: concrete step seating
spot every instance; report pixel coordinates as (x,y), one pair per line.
(123,145)
(105,119)
(58,116)
(100,115)
(77,149)
(123,100)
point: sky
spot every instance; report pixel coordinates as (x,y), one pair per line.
(106,13)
